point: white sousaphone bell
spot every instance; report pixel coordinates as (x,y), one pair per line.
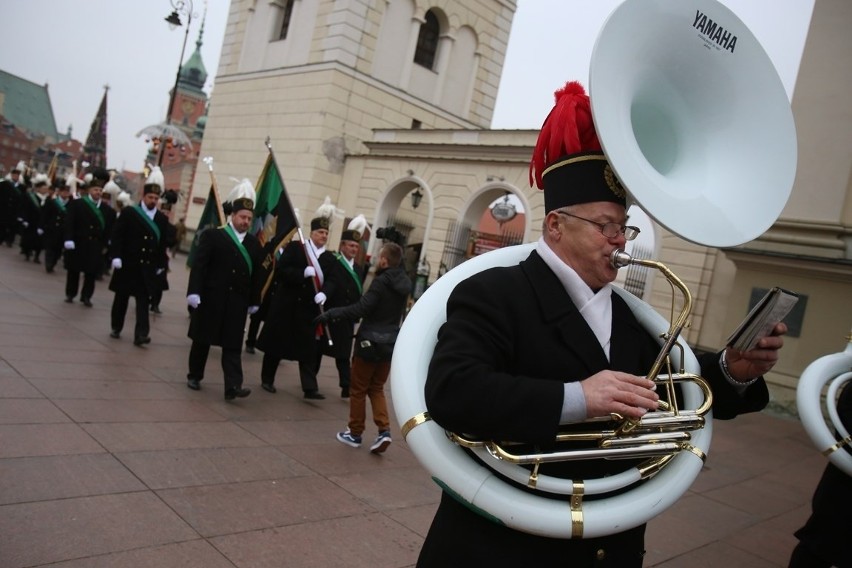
(834,370)
(696,123)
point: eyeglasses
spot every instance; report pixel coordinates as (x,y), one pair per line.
(609,230)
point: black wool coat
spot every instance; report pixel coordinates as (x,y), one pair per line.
(342,287)
(53,218)
(140,249)
(288,331)
(90,235)
(512,338)
(227,286)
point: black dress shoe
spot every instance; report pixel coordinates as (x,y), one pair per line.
(314,395)
(269,387)
(69,299)
(87,302)
(250,349)
(193,384)
(139,341)
(344,392)
(231,394)
(115,334)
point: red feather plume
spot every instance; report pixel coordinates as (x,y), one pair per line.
(568,129)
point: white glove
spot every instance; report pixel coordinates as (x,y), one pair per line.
(319,298)
(194,300)
(25,224)
(116,263)
(253,310)
(69,245)
(40,231)
(310,272)
(160,271)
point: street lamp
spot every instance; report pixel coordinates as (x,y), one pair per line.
(178,7)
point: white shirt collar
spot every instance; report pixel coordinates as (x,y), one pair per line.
(240,235)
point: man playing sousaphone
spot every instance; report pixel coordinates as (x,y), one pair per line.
(562,348)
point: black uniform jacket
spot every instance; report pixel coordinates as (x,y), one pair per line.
(31,216)
(53,214)
(342,287)
(227,286)
(90,234)
(288,331)
(512,338)
(141,249)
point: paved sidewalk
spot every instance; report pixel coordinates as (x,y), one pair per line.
(107,459)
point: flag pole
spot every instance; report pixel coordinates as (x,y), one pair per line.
(301,236)
(219,211)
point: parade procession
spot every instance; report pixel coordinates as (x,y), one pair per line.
(427,284)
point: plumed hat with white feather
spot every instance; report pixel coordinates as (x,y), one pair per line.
(241,197)
(325,212)
(155,182)
(355,230)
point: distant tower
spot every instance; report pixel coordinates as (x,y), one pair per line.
(95,149)
(188,113)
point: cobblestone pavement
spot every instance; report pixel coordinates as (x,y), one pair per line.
(107,459)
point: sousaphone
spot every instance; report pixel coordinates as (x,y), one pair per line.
(696,123)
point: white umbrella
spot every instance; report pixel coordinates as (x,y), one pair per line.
(165,131)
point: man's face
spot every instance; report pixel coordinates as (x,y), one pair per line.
(95,192)
(319,237)
(150,200)
(16,176)
(242,220)
(64,193)
(582,246)
(349,249)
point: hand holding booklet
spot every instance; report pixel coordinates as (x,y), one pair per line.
(760,321)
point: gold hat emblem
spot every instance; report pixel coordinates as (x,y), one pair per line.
(613,182)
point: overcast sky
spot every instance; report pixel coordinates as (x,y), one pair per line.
(78,46)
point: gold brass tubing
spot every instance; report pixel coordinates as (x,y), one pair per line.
(651,467)
(577,510)
(414,421)
(840,443)
(533,480)
(696,451)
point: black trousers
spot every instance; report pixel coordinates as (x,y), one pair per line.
(72,284)
(254,327)
(232,365)
(52,254)
(119,311)
(344,365)
(308,369)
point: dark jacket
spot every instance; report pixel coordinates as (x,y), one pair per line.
(288,330)
(90,233)
(227,286)
(54,222)
(342,287)
(31,222)
(512,338)
(141,249)
(380,308)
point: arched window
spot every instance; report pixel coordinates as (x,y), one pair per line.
(285,19)
(427,41)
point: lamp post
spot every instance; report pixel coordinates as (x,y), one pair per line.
(178,7)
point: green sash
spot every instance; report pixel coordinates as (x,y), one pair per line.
(96,210)
(345,264)
(34,199)
(59,203)
(242,249)
(151,224)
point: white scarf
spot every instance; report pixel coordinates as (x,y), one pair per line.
(240,235)
(596,308)
(314,253)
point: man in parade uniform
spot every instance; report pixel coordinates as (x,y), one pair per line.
(54,223)
(288,332)
(88,226)
(343,287)
(141,237)
(223,289)
(11,192)
(30,218)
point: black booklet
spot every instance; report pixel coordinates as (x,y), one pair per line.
(771,309)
